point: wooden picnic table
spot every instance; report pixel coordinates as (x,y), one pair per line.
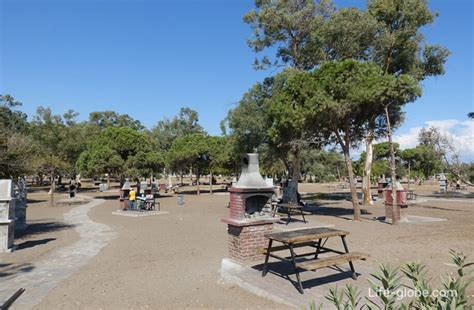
(289,207)
(310,237)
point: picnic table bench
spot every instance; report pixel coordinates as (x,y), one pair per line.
(289,208)
(310,237)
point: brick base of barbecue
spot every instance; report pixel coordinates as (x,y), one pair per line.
(401,210)
(245,241)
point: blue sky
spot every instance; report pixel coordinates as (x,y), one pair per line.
(149,58)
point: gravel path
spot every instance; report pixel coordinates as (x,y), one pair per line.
(61,263)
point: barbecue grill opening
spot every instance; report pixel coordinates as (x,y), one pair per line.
(256,206)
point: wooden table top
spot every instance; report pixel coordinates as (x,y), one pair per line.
(289,205)
(303,235)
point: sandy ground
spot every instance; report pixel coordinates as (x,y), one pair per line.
(172,260)
(46,232)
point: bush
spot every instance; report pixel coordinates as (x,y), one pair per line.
(386,284)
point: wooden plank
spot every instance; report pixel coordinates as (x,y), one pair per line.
(304,235)
(289,205)
(284,247)
(318,263)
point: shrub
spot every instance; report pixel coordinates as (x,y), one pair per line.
(387,282)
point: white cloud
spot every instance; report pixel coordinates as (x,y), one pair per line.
(461,132)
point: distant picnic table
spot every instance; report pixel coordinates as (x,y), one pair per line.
(310,237)
(289,209)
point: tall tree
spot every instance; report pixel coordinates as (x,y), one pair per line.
(293,111)
(291,28)
(353,87)
(399,47)
(49,131)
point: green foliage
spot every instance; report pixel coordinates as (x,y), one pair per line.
(291,27)
(17,149)
(108,119)
(293,109)
(349,34)
(185,123)
(187,152)
(387,282)
(199,153)
(248,121)
(399,46)
(324,166)
(121,151)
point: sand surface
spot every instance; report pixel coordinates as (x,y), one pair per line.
(173,260)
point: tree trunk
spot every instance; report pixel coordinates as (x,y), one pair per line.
(347,157)
(197,183)
(367,197)
(210,185)
(295,176)
(409,172)
(52,188)
(108,181)
(393,174)
(355,202)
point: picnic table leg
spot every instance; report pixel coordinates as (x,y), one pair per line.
(354,274)
(318,249)
(265,266)
(302,214)
(293,257)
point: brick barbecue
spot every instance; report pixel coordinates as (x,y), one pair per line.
(250,214)
(400,212)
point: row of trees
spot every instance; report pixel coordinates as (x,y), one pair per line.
(348,73)
(50,146)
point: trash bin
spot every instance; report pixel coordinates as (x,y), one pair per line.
(180,200)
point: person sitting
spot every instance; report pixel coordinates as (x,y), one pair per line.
(150,201)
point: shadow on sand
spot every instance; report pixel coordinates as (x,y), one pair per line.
(33,243)
(36,228)
(286,271)
(12,269)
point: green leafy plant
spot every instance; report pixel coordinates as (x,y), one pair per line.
(388,280)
